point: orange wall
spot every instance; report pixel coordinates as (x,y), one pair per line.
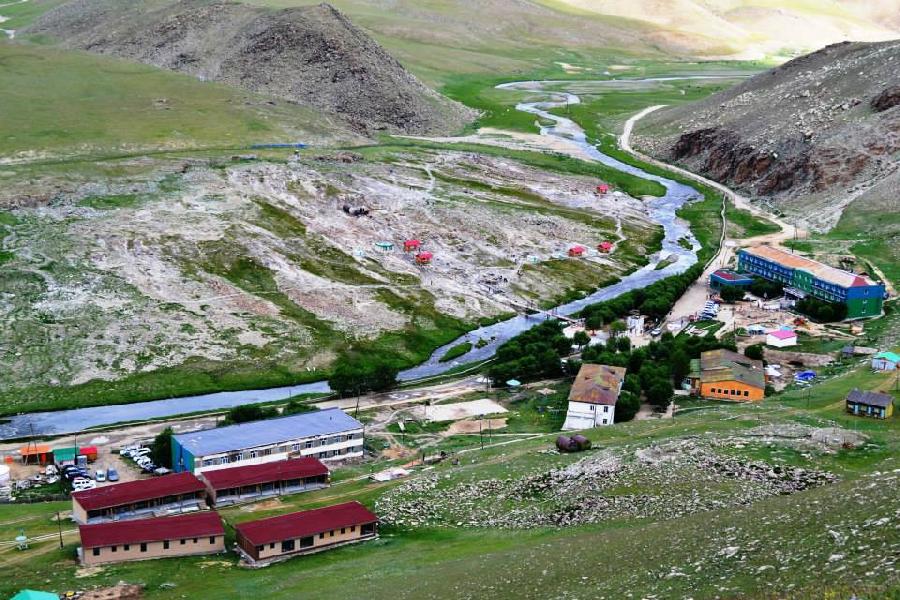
(754,394)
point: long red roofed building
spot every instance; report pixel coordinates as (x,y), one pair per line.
(140,498)
(305,532)
(142,539)
(252,482)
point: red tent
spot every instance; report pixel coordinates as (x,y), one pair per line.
(577,251)
(602,188)
(424,258)
(605,247)
(410,245)
(89,451)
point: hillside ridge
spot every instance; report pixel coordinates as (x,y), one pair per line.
(313,55)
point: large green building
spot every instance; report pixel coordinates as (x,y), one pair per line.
(803,277)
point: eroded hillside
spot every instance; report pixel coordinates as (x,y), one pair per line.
(810,136)
(260,263)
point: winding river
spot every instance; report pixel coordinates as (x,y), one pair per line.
(661,210)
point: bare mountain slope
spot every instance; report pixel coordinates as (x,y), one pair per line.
(810,135)
(313,55)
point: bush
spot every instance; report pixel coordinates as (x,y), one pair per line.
(249,412)
(764,288)
(731,294)
(533,354)
(755,352)
(821,311)
(627,406)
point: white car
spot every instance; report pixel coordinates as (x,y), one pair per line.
(140,452)
(80,484)
(100,475)
(143,460)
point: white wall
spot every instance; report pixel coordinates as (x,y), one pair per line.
(578,412)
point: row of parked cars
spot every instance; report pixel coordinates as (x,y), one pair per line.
(80,478)
(141,457)
(710,311)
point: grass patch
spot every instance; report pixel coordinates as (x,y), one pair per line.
(110,202)
(456,352)
(749,225)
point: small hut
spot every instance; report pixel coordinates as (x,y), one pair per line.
(577,251)
(605,247)
(603,188)
(424,258)
(411,245)
(385,246)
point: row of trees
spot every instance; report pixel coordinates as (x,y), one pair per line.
(655,300)
(821,311)
(533,354)
(358,372)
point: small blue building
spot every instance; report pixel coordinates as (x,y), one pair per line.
(727,278)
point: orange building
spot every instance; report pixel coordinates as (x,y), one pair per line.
(726,375)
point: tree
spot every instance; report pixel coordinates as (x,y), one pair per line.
(617,327)
(623,344)
(680,363)
(363,372)
(660,393)
(627,406)
(581,339)
(632,384)
(731,294)
(754,351)
(161,448)
(249,412)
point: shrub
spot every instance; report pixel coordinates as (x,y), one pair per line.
(755,352)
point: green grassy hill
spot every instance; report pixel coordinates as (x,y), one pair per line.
(58,104)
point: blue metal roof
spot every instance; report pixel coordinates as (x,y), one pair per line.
(271,431)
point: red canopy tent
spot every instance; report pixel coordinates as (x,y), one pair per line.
(424,258)
(577,251)
(410,245)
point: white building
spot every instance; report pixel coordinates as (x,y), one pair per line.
(593,397)
(329,435)
(781,338)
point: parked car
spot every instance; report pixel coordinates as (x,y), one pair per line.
(112,475)
(140,452)
(656,332)
(159,471)
(100,475)
(79,485)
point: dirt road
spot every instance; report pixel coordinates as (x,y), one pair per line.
(698,293)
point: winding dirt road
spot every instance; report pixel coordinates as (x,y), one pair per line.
(697,294)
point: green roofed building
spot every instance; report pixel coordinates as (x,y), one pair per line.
(65,455)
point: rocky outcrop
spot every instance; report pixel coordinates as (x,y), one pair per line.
(311,55)
(812,133)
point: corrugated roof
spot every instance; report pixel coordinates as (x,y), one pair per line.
(33,450)
(819,270)
(135,491)
(305,523)
(197,525)
(597,384)
(283,470)
(725,365)
(271,431)
(870,398)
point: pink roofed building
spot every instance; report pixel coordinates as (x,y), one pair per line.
(577,251)
(781,338)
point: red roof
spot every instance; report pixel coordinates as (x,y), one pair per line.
(87,450)
(577,250)
(200,524)
(295,468)
(305,523)
(424,256)
(135,491)
(412,243)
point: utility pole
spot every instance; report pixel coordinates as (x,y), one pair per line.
(59,527)
(480,434)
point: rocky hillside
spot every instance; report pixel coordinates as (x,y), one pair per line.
(810,136)
(311,55)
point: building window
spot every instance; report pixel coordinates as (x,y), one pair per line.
(593,408)
(96,551)
(114,549)
(343,530)
(253,454)
(746,393)
(212,539)
(331,534)
(287,546)
(295,447)
(352,528)
(259,549)
(606,409)
(166,545)
(143,547)
(322,535)
(195,540)
(272,546)
(126,547)
(308,444)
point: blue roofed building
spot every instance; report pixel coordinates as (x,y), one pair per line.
(329,435)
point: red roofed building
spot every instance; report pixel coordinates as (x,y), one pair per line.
(577,251)
(605,247)
(602,188)
(143,539)
(305,532)
(410,245)
(424,258)
(252,482)
(141,498)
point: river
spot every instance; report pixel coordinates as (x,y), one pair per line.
(661,210)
